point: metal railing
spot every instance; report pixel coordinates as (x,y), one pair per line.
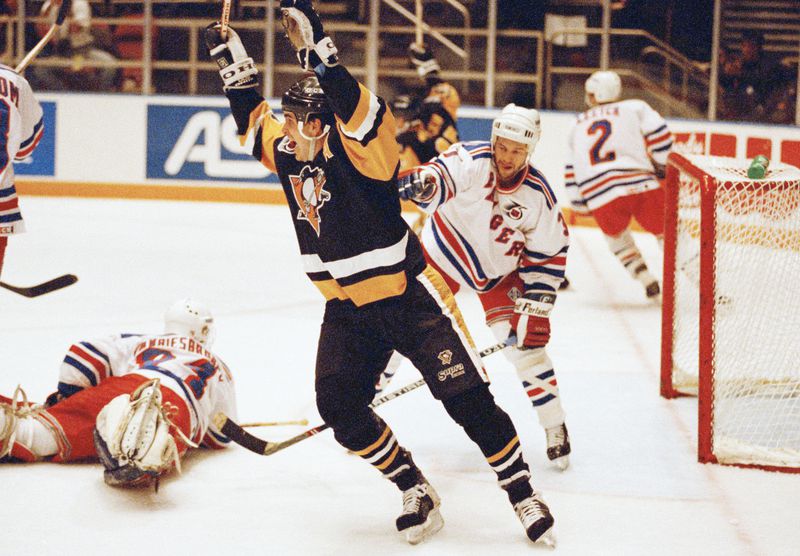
(662,88)
(370,70)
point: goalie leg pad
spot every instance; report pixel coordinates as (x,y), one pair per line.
(132,437)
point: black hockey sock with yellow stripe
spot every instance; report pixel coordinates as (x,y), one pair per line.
(387,456)
(494,433)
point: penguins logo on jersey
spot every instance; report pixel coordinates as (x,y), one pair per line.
(310,195)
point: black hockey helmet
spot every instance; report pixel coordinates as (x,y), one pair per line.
(306,98)
(406,107)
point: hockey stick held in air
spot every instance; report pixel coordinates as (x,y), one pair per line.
(225,19)
(63,11)
(266,448)
(43,288)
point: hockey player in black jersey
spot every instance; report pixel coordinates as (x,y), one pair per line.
(337,158)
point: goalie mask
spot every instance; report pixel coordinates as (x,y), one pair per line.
(606,86)
(191,318)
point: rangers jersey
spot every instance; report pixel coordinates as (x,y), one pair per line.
(21,127)
(355,245)
(480,231)
(183,365)
(611,152)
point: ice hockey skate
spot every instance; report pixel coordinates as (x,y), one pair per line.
(420,518)
(650,283)
(537,520)
(558,448)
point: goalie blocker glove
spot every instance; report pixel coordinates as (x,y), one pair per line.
(531,320)
(237,69)
(418,185)
(315,50)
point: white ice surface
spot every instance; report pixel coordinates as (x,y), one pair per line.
(634,486)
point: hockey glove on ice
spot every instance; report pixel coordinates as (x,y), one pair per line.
(304,30)
(422,59)
(237,69)
(418,185)
(531,320)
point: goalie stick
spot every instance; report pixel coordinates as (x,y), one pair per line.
(44,287)
(302,422)
(63,11)
(243,438)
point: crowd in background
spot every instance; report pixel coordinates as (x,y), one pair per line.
(754,84)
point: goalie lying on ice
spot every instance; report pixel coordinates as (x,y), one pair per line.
(136,402)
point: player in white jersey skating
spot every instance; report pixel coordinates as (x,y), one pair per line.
(496,228)
(617,152)
(137,402)
(22,127)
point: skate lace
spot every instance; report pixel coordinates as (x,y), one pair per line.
(556,436)
(413,497)
(529,511)
(168,412)
(18,409)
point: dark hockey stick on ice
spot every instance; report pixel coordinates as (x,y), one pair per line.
(63,11)
(43,288)
(266,448)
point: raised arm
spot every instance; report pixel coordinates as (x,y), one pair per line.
(365,123)
(240,84)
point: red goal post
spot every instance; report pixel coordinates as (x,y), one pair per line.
(731,307)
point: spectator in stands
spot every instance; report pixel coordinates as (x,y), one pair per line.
(752,83)
(76,41)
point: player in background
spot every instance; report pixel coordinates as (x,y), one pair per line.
(337,159)
(432,117)
(138,402)
(21,127)
(496,228)
(617,152)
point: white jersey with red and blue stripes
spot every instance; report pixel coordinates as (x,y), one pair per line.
(21,128)
(611,152)
(479,232)
(183,365)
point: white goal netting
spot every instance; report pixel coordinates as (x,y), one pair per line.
(751,312)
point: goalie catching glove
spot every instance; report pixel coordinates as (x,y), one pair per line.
(418,185)
(304,30)
(237,69)
(132,437)
(531,320)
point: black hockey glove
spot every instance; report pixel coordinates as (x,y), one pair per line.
(422,59)
(419,185)
(237,69)
(304,30)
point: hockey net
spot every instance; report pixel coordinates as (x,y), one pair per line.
(731,313)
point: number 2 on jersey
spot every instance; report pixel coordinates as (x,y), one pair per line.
(604,126)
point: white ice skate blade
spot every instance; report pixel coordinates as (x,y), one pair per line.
(547,539)
(561,463)
(432,525)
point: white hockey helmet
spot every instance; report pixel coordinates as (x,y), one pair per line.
(606,86)
(518,124)
(189,317)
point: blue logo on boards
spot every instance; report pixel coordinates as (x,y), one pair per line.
(199,143)
(43,160)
